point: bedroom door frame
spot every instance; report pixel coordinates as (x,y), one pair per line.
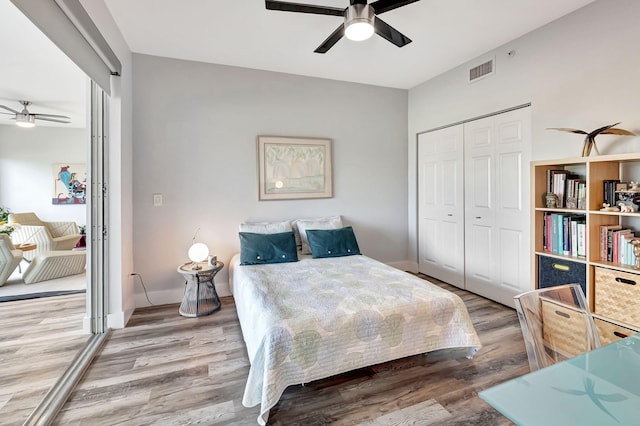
(98,259)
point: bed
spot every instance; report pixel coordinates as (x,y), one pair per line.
(317,317)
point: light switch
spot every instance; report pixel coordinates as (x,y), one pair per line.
(157,200)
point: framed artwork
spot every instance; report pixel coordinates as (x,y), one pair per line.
(69,184)
(294,168)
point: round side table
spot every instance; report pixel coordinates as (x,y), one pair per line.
(200,295)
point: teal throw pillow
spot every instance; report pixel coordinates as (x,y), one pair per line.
(257,249)
(332,242)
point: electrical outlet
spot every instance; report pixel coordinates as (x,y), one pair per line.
(157,200)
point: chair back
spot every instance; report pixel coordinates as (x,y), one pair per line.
(29,219)
(556,324)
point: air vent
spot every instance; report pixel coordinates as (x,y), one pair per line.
(481,71)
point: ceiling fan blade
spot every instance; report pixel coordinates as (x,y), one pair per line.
(382,6)
(52,119)
(331,40)
(303,8)
(389,33)
(7,113)
(10,109)
(50,115)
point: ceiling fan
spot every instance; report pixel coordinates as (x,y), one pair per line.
(25,118)
(360,20)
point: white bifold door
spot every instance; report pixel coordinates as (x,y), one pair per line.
(473,205)
(441,204)
(497,224)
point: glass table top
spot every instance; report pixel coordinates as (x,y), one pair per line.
(600,387)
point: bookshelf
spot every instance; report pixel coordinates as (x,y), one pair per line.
(612,287)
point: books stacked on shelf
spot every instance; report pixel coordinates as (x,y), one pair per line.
(564,234)
(568,187)
(609,187)
(614,245)
(576,194)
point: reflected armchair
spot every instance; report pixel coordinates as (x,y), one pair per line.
(48,236)
(9,258)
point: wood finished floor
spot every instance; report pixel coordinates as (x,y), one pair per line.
(38,341)
(164,369)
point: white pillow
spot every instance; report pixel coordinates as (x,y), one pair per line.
(331,222)
(266,227)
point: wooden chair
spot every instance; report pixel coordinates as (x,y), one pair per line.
(556,324)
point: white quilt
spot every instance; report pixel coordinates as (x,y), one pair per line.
(315,318)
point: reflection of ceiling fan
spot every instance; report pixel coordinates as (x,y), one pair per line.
(360,20)
(25,118)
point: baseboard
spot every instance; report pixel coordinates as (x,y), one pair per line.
(115,320)
(161,297)
(404,265)
(118,319)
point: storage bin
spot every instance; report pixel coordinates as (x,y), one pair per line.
(553,271)
(617,295)
(564,328)
(610,332)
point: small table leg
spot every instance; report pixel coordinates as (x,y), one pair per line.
(200,297)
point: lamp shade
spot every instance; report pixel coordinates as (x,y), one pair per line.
(358,23)
(25,120)
(359,31)
(198,252)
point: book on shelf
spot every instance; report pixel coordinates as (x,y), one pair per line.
(609,191)
(559,180)
(574,238)
(582,239)
(569,188)
(614,245)
(630,257)
(605,232)
(625,250)
(575,193)
(564,234)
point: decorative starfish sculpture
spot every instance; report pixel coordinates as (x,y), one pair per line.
(590,140)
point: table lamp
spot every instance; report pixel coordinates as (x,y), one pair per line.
(198,252)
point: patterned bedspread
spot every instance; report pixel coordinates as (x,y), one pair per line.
(315,318)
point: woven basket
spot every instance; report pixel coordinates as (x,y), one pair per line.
(610,332)
(564,329)
(617,295)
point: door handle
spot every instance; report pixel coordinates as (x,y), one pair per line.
(478,217)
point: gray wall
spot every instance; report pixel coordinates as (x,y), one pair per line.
(27,157)
(580,71)
(194,141)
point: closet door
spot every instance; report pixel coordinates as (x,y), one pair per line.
(497,154)
(440,205)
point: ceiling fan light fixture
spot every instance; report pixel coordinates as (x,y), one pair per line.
(358,22)
(25,120)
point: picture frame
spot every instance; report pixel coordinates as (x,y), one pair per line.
(291,168)
(69,184)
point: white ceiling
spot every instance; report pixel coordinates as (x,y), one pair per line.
(33,69)
(445,34)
